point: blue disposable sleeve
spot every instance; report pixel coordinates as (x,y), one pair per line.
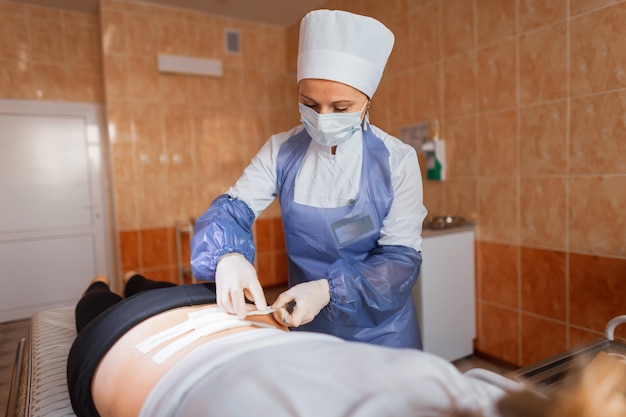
(226,227)
(365,294)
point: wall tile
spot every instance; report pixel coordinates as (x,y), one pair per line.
(143,78)
(598,50)
(276,50)
(579,337)
(45,48)
(434,197)
(265,268)
(16,80)
(459,85)
(142,35)
(164,273)
(145,122)
(122,163)
(113,31)
(598,137)
(498,144)
(205,125)
(457,17)
(232,87)
(541,339)
(497,88)
(12,8)
(581,6)
(204,40)
(544,284)
(83,85)
(403,113)
(173,35)
(129,250)
(498,210)
(205,90)
(424,90)
(49,81)
(180,168)
(498,273)
(119,123)
(278,238)
(543,139)
(598,228)
(82,40)
(461,146)
(418,4)
(178,198)
(126,208)
(499,333)
(543,212)
(263,235)
(282,267)
(424,35)
(151,204)
(13,36)
(389,10)
(156,247)
(116,75)
(151,161)
(543,64)
(537,13)
(255,85)
(254,47)
(461,198)
(176,124)
(597,290)
(495,20)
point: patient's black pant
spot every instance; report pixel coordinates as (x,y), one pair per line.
(99,298)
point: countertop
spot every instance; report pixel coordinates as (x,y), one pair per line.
(438,232)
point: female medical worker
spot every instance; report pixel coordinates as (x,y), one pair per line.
(350,197)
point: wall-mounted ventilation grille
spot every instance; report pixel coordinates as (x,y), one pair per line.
(233,45)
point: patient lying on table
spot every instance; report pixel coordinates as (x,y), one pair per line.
(171,352)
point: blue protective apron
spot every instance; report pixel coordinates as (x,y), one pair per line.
(317,237)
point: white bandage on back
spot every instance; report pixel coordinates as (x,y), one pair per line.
(199,324)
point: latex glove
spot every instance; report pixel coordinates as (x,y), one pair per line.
(235,278)
(309,297)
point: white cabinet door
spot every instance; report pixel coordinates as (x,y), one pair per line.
(53,231)
(444,293)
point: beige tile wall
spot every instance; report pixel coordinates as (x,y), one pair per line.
(531,100)
(49,54)
(179,141)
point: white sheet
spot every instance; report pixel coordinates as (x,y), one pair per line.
(314,375)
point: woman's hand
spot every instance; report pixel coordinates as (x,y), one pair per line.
(235,278)
(309,298)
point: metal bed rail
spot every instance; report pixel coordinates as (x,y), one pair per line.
(16,377)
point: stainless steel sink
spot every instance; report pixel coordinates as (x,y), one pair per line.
(443,222)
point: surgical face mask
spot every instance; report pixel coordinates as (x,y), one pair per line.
(330,129)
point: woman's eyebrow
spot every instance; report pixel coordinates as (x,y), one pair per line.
(334,103)
(304,96)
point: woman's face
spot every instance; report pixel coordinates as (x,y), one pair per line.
(326,96)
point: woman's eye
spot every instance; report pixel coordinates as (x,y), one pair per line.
(341,109)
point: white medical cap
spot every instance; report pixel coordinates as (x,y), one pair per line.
(344,47)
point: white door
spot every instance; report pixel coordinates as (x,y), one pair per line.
(53,220)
